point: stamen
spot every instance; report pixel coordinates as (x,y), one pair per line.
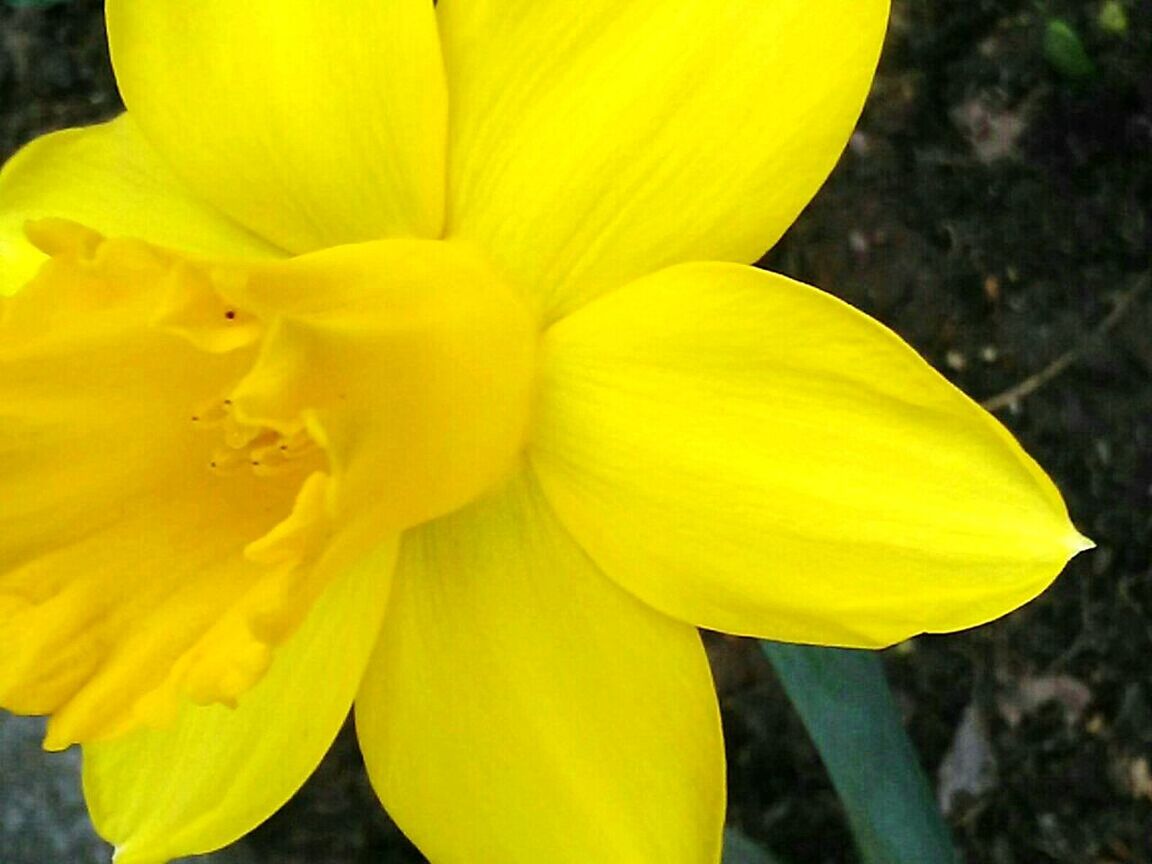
(227,461)
(265,451)
(240,437)
(209,415)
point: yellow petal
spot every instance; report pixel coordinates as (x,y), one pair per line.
(123,578)
(109,178)
(751,455)
(594,142)
(522,708)
(216,772)
(310,123)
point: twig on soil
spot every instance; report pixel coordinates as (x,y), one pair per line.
(1034,382)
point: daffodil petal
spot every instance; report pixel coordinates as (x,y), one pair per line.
(123,578)
(311,123)
(109,178)
(751,455)
(522,708)
(595,142)
(216,772)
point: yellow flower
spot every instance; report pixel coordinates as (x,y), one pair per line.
(409,355)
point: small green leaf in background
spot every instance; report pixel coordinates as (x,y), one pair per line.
(1064,49)
(24,4)
(1113,18)
(844,700)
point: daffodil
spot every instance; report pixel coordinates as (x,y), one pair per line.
(409,356)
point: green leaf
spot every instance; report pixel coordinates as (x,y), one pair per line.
(845,702)
(1065,51)
(1112,18)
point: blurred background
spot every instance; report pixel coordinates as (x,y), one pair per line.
(995,209)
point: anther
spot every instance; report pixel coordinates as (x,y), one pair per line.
(209,414)
(262,450)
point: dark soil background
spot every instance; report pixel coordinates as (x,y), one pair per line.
(995,208)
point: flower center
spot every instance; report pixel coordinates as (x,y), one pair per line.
(264,452)
(402,370)
(409,362)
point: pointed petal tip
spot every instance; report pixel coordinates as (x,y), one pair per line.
(1078,543)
